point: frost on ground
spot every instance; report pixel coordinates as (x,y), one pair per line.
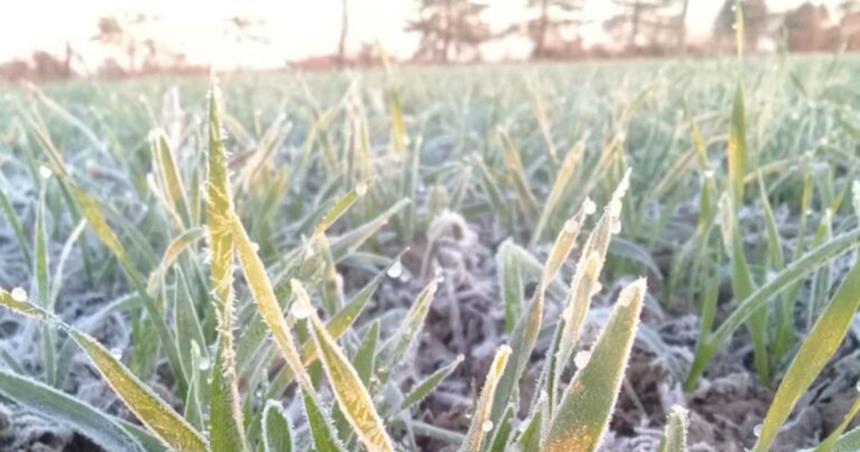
(467,319)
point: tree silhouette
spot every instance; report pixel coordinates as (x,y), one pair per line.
(552,17)
(344,26)
(648,23)
(123,34)
(849,23)
(755,22)
(682,26)
(807,28)
(448,26)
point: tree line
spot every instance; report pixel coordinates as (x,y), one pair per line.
(457,31)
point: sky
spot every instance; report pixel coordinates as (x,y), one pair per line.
(295,29)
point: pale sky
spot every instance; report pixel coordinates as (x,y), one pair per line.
(295,28)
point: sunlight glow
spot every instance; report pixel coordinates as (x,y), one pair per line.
(293,29)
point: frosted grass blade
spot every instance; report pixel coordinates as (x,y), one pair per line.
(481,422)
(325,437)
(352,397)
(562,181)
(800,268)
(225,415)
(820,345)
(675,435)
(59,406)
(392,352)
(586,406)
(426,386)
(276,429)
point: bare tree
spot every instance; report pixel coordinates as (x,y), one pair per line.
(807,29)
(849,23)
(447,28)
(682,26)
(756,19)
(123,34)
(651,24)
(552,17)
(344,26)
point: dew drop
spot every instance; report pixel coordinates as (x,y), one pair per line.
(757,430)
(203,364)
(45,172)
(709,174)
(395,270)
(616,226)
(300,311)
(116,353)
(487,426)
(857,386)
(589,206)
(570,226)
(19,294)
(255,246)
(361,188)
(581,358)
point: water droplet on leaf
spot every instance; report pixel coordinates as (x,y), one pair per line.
(395,270)
(361,188)
(19,294)
(203,364)
(487,426)
(300,311)
(581,358)
(45,172)
(589,207)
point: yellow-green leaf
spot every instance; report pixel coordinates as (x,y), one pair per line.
(352,397)
(585,280)
(174,249)
(835,441)
(481,423)
(586,406)
(225,414)
(151,410)
(170,177)
(267,304)
(820,345)
(562,180)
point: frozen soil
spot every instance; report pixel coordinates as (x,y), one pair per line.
(467,319)
(724,410)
